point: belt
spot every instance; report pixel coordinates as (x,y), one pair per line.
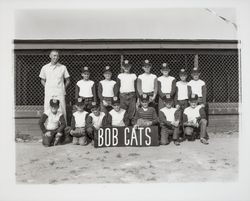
(128,93)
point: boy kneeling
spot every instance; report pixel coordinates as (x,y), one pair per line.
(94,121)
(78,123)
(194,119)
(52,124)
(145,115)
(169,121)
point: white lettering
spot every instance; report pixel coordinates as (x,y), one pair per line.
(115,136)
(148,142)
(133,137)
(100,137)
(107,137)
(126,141)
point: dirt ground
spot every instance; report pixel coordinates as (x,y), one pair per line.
(190,162)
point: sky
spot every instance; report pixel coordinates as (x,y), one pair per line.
(137,23)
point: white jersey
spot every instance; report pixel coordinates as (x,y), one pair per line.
(193,113)
(147,82)
(166,83)
(85,87)
(169,113)
(97,120)
(52,121)
(127,82)
(117,117)
(182,90)
(108,88)
(80,118)
(196,86)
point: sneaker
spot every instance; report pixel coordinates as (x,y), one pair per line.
(204,141)
(177,143)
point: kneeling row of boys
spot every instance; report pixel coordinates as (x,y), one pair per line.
(84,125)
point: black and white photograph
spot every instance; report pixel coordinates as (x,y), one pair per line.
(105,96)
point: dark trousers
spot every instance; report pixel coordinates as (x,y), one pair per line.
(169,130)
(128,103)
(202,130)
(54,137)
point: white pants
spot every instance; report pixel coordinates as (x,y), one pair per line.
(62,106)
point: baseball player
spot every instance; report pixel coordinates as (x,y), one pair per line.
(194,120)
(52,124)
(78,124)
(107,90)
(166,84)
(126,85)
(85,88)
(94,122)
(145,115)
(147,83)
(169,118)
(117,116)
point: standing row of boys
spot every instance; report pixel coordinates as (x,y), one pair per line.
(181,108)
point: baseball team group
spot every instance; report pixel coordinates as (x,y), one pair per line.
(178,108)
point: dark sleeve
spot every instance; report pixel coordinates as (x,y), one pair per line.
(100,91)
(185,118)
(94,92)
(77,89)
(107,120)
(173,88)
(163,119)
(73,122)
(176,96)
(204,94)
(189,91)
(115,89)
(155,117)
(118,84)
(42,121)
(136,117)
(155,86)
(62,124)
(159,90)
(177,115)
(138,86)
(126,119)
(89,121)
(202,113)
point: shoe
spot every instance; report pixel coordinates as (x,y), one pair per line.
(204,141)
(177,143)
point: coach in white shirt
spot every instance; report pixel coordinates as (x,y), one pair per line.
(52,77)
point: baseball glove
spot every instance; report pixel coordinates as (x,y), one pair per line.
(143,122)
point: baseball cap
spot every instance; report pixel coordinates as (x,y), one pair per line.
(85,69)
(146,63)
(54,102)
(144,97)
(193,97)
(165,67)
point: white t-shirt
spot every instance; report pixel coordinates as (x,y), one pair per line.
(193,113)
(196,87)
(147,82)
(85,87)
(127,82)
(169,113)
(52,121)
(80,118)
(54,76)
(108,88)
(182,90)
(97,120)
(166,83)
(117,117)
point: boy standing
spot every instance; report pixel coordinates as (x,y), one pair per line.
(106,90)
(170,118)
(126,85)
(94,121)
(194,119)
(78,124)
(145,115)
(147,83)
(86,89)
(166,84)
(116,117)
(52,124)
